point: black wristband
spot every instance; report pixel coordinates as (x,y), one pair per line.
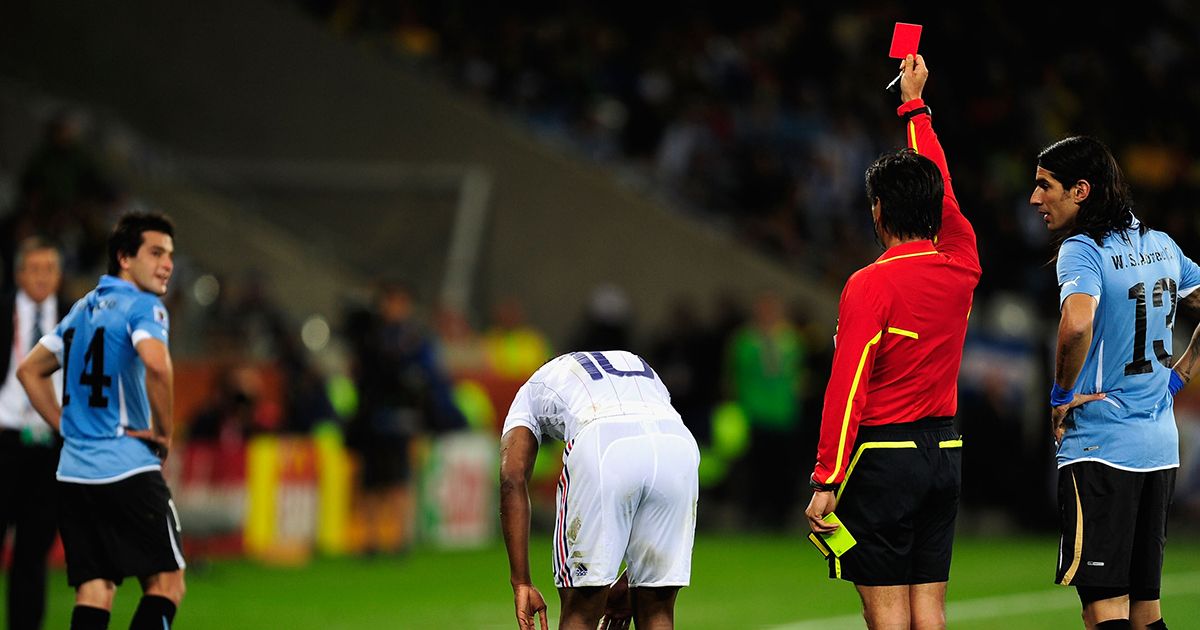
(822,487)
(924,109)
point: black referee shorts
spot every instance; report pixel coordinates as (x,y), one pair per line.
(127,528)
(1114,527)
(899,500)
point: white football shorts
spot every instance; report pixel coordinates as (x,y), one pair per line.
(628,491)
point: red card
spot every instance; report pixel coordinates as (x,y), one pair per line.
(904,40)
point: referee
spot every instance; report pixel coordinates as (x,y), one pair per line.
(889,460)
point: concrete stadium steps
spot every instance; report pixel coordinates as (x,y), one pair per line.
(258,81)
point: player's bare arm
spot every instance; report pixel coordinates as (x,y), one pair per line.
(1186,365)
(160,390)
(1074,339)
(1190,305)
(518,450)
(915,73)
(34,374)
(618,608)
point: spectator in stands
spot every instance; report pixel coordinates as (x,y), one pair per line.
(229,417)
(403,393)
(689,366)
(462,348)
(62,191)
(765,365)
(608,322)
(305,397)
(515,349)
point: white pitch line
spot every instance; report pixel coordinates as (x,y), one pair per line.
(1001,605)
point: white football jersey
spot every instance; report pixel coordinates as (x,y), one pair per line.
(576,389)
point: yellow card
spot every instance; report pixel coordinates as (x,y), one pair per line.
(840,541)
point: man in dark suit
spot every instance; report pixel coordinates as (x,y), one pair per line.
(28,447)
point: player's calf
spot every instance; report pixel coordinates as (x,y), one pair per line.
(582,607)
(654,607)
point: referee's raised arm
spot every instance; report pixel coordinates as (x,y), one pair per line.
(956,236)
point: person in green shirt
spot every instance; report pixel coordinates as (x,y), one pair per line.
(766,371)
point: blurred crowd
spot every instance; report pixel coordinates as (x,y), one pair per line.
(764,116)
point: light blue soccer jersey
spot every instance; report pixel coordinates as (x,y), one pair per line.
(1138,279)
(104,381)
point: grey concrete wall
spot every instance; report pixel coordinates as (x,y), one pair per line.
(256,80)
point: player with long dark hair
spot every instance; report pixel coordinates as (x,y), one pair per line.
(1118,446)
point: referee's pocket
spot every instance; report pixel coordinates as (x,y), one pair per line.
(951,451)
(877,464)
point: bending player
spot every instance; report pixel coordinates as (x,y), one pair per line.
(627,491)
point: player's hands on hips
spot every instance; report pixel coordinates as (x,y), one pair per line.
(915,73)
(530,605)
(618,609)
(159,444)
(1059,414)
(822,503)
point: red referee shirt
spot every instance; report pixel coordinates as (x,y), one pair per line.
(901,325)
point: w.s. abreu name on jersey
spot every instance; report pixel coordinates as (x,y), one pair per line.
(1132,259)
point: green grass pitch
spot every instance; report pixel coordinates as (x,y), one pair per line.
(737,582)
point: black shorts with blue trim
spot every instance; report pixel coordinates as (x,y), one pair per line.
(899,500)
(127,528)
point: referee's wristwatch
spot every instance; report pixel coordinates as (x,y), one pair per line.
(821,487)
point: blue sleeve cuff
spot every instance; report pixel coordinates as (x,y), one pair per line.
(1176,383)
(1060,396)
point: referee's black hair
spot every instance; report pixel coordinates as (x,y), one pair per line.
(909,188)
(126,238)
(1109,206)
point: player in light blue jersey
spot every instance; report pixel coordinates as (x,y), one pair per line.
(1112,398)
(117,518)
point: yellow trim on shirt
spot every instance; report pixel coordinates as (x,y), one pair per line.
(901,331)
(862,362)
(905,256)
(912,135)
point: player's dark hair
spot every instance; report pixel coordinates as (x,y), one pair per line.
(1109,206)
(909,188)
(127,237)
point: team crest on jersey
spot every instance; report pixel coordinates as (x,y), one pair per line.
(160,315)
